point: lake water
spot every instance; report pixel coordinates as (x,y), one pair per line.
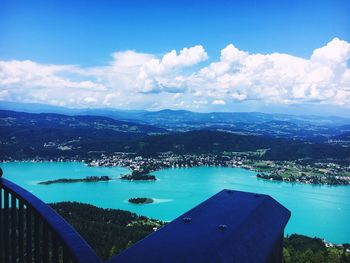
(322,211)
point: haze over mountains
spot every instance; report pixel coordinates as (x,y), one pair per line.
(180,115)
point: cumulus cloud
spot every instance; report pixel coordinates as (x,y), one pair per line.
(280,78)
(33,75)
(157,75)
(141,80)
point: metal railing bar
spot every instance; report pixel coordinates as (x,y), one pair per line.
(65,255)
(13,229)
(55,248)
(20,231)
(29,235)
(6,228)
(36,239)
(45,239)
(1,227)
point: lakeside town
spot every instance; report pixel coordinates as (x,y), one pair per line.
(288,171)
(296,171)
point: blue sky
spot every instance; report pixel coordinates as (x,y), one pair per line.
(86,32)
(87,35)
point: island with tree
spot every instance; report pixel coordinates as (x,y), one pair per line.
(141,200)
(139,175)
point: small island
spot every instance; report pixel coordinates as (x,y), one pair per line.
(140,200)
(139,175)
(88,179)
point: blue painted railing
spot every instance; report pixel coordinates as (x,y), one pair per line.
(231,226)
(31,231)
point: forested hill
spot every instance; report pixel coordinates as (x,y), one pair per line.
(108,231)
(25,135)
(28,135)
(204,141)
(51,120)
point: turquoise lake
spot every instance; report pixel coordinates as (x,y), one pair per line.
(322,211)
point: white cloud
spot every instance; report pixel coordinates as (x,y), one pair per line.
(157,75)
(336,51)
(141,80)
(219,102)
(33,75)
(280,78)
(186,57)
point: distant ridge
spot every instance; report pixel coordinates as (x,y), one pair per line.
(180,115)
(51,135)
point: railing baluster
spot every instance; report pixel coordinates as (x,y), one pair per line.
(29,255)
(1,226)
(66,258)
(45,239)
(55,255)
(6,227)
(20,231)
(36,239)
(13,228)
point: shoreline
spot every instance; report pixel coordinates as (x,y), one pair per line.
(125,161)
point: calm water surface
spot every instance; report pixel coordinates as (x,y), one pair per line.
(322,211)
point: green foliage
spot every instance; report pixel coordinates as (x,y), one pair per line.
(301,249)
(139,176)
(108,231)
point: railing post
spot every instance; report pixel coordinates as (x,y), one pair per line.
(1,223)
(29,247)
(6,228)
(20,231)
(13,229)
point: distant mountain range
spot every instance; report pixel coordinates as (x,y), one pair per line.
(312,128)
(171,117)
